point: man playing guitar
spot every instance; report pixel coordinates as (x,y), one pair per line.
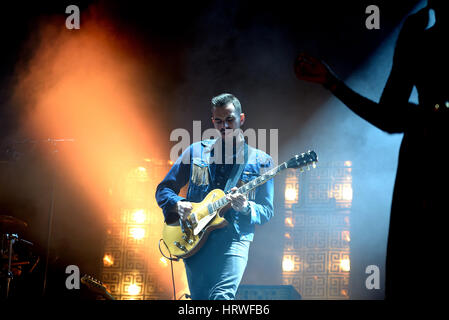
(215,271)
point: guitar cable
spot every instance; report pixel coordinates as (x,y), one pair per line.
(171,265)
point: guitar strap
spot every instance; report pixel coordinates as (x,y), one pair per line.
(236,171)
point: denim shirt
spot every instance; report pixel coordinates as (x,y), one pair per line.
(195,166)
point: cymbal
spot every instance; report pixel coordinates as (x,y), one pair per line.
(11,224)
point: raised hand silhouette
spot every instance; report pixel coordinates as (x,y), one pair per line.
(417,236)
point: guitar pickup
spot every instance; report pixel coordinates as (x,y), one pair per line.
(193,219)
(180,246)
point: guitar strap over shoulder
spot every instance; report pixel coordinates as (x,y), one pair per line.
(236,171)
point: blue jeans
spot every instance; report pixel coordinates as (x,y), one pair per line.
(215,271)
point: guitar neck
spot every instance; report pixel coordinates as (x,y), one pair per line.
(96,286)
(108,296)
(223,201)
(262,179)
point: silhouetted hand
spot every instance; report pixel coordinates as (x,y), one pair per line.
(311,69)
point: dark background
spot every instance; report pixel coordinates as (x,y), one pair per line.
(199,49)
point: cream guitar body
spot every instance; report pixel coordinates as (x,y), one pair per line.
(185,238)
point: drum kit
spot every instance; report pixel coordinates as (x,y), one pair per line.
(13,263)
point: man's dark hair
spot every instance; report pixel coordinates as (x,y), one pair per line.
(225,98)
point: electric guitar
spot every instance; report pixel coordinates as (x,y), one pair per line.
(185,238)
(96,286)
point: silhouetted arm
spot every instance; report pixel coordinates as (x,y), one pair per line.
(388,115)
(393,113)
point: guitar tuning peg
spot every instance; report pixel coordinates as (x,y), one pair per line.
(301,170)
(308,168)
(314,165)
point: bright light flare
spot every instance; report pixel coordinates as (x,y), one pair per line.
(291,194)
(345,265)
(137,233)
(139,216)
(287,264)
(133,289)
(108,260)
(347,192)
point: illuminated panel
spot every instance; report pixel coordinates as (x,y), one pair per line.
(133,267)
(291,188)
(317,238)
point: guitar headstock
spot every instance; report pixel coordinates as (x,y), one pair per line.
(302,160)
(96,286)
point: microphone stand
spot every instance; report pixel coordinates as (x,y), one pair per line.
(11,238)
(54,152)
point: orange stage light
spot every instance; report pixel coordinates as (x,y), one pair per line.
(108,260)
(91,85)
